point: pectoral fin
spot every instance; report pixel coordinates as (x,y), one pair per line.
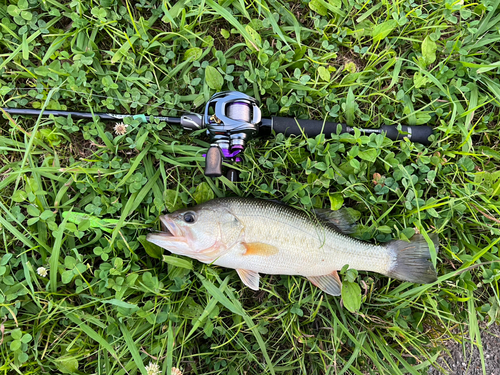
(259,248)
(249,278)
(330,284)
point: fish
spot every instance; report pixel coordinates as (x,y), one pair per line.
(255,236)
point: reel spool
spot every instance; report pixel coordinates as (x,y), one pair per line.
(239,111)
(231,118)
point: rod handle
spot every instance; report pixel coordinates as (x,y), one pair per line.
(311,128)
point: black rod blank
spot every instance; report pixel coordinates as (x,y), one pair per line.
(87,115)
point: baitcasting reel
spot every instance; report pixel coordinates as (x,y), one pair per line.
(231,118)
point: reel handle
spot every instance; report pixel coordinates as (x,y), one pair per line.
(311,128)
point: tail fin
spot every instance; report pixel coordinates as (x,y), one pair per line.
(412,260)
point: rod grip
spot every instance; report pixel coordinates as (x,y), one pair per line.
(311,128)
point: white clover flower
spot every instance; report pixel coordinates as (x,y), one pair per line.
(176,371)
(153,369)
(121,128)
(42,271)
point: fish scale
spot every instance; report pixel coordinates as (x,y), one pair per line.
(306,246)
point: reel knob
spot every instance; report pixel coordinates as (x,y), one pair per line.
(213,162)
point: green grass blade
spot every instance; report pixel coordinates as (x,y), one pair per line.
(132,348)
(54,256)
(218,294)
(255,330)
(474,330)
(233,21)
(134,166)
(350,104)
(92,334)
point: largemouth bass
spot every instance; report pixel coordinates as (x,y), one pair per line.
(256,236)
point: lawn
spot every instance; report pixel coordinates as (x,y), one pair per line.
(83,292)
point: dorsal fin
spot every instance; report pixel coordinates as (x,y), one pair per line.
(343,220)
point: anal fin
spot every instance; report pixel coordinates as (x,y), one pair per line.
(330,283)
(249,278)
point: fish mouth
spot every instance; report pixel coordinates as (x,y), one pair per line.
(169,228)
(170,233)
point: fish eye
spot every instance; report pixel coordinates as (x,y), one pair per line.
(189,217)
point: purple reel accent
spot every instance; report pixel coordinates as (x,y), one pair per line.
(236,150)
(230,154)
(226,153)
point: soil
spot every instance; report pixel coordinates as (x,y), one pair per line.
(461,361)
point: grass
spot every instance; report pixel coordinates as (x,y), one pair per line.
(111,303)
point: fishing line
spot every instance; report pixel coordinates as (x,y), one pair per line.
(240,111)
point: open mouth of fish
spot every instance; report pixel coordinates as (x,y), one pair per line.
(168,228)
(169,232)
(170,235)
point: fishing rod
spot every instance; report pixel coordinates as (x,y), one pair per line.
(232,118)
